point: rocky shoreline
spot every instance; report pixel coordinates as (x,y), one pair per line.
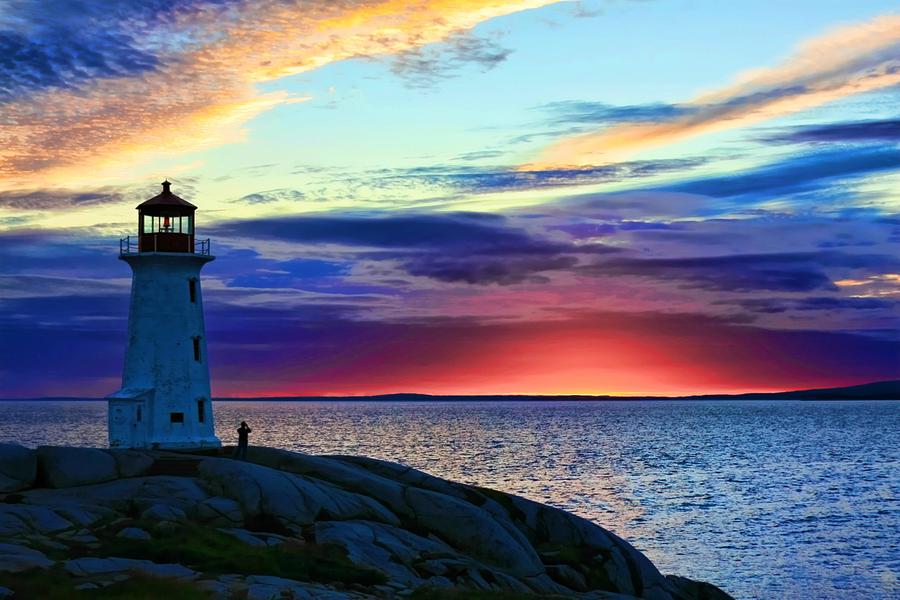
(98,523)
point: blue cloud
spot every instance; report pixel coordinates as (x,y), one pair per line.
(65,57)
(813,303)
(887,130)
(68,43)
(465,230)
(286,274)
(53,199)
(584,112)
(797,174)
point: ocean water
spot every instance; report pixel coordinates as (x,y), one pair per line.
(767,499)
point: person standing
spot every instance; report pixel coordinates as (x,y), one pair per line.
(243,440)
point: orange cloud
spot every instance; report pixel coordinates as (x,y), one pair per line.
(846,61)
(201,94)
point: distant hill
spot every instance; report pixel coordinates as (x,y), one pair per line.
(878,390)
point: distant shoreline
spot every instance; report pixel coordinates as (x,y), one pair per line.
(880,390)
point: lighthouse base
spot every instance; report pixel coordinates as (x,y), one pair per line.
(137,420)
(195,444)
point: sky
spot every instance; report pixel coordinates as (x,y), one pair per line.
(455,197)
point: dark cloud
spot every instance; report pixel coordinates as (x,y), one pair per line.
(53,199)
(54,253)
(788,272)
(279,195)
(797,174)
(813,303)
(462,247)
(423,67)
(491,269)
(887,130)
(635,205)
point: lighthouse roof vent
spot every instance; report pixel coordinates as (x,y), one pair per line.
(166,203)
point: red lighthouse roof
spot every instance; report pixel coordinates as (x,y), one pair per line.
(166,201)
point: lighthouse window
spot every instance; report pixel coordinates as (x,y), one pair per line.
(201,411)
(176,417)
(139,415)
(192,288)
(197,349)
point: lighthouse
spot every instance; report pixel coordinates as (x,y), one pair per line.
(165,397)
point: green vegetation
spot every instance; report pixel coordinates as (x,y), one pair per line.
(56,584)
(213,552)
(203,549)
(589,561)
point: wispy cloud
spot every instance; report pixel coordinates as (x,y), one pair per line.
(585,112)
(423,67)
(184,76)
(849,60)
(56,198)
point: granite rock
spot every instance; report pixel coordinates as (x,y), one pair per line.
(14,558)
(91,566)
(18,468)
(62,467)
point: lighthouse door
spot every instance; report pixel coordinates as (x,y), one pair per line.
(139,425)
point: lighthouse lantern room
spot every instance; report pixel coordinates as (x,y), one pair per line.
(164,401)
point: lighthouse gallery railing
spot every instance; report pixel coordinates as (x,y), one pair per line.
(130,245)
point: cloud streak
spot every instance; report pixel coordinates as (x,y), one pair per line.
(846,61)
(887,130)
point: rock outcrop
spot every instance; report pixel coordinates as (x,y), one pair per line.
(60,467)
(18,468)
(284,524)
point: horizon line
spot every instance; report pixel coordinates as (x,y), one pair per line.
(440,397)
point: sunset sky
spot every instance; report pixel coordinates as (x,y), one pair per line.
(536,197)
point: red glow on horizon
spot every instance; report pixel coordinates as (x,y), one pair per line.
(640,356)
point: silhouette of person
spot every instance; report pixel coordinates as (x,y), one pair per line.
(243,440)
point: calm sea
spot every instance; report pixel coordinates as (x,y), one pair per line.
(768,499)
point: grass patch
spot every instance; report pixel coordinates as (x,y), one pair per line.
(582,559)
(210,551)
(56,584)
(559,554)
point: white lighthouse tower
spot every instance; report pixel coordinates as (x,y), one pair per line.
(164,401)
